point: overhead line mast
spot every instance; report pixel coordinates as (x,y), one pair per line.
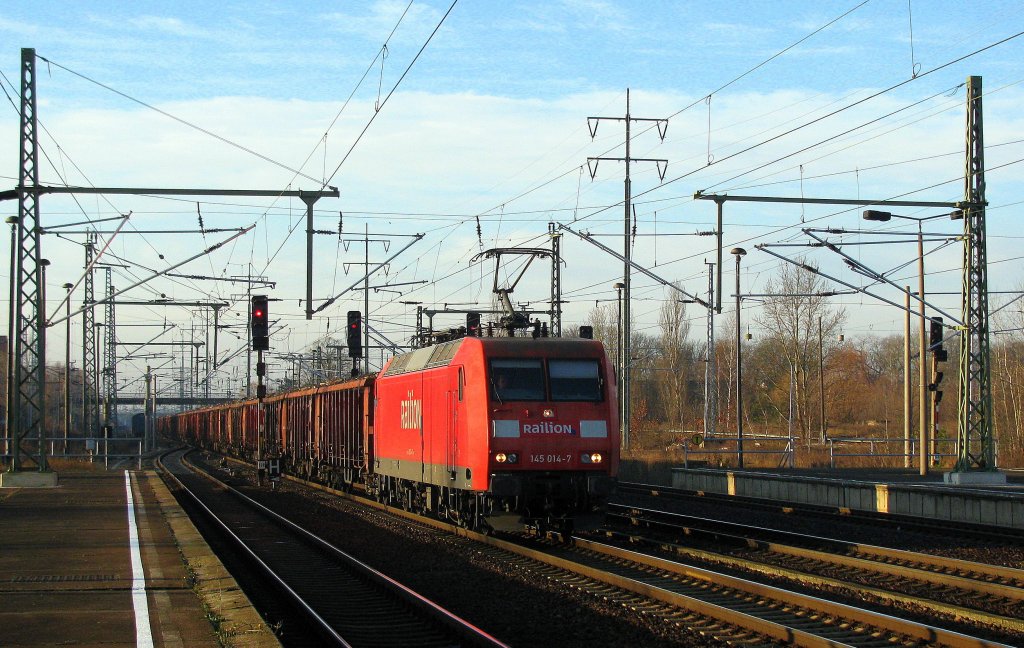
(976,456)
(662,165)
(26,392)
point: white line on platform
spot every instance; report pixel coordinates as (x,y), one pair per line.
(143,633)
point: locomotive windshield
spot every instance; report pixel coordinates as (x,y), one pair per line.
(574,380)
(517,380)
(524,380)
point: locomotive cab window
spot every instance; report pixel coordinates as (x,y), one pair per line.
(574,380)
(517,380)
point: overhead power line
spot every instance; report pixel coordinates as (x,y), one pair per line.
(182,121)
(380,107)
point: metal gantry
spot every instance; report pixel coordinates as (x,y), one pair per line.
(976,445)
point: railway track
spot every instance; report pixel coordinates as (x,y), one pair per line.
(986,595)
(338,599)
(713,604)
(882,521)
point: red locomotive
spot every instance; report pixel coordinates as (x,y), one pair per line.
(471,430)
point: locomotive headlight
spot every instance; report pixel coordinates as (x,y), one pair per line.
(513,457)
(548,412)
(591,457)
(501,457)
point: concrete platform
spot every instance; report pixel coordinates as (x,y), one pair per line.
(993,478)
(994,502)
(69,575)
(28,479)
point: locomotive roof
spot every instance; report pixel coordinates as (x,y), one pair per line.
(440,355)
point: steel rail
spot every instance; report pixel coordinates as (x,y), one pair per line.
(603,564)
(807,575)
(989,532)
(465,631)
(925,567)
(775,601)
(297,600)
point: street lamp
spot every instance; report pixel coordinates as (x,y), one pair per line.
(67,368)
(12,331)
(618,358)
(738,252)
(41,341)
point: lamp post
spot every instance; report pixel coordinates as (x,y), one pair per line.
(12,361)
(67,368)
(41,319)
(738,252)
(881,216)
(624,439)
(97,391)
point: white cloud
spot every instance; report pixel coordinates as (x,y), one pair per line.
(381,17)
(464,154)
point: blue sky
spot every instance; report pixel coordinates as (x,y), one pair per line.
(315,50)
(491,122)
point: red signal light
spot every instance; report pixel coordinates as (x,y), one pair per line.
(355,345)
(259,325)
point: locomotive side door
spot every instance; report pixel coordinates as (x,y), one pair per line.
(454,398)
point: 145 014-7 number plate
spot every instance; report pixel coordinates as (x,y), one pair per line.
(550,458)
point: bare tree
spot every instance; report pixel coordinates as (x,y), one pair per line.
(675,362)
(604,321)
(1008,374)
(792,318)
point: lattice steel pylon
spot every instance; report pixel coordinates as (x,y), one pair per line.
(556,280)
(110,354)
(976,445)
(89,386)
(710,366)
(25,396)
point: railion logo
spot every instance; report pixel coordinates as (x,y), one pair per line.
(412,413)
(547,428)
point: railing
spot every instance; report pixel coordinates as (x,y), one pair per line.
(787,454)
(94,449)
(874,444)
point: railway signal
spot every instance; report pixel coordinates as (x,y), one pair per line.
(935,339)
(473,324)
(939,354)
(260,323)
(935,333)
(355,334)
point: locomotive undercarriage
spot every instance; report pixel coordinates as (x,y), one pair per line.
(465,508)
(550,501)
(559,501)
